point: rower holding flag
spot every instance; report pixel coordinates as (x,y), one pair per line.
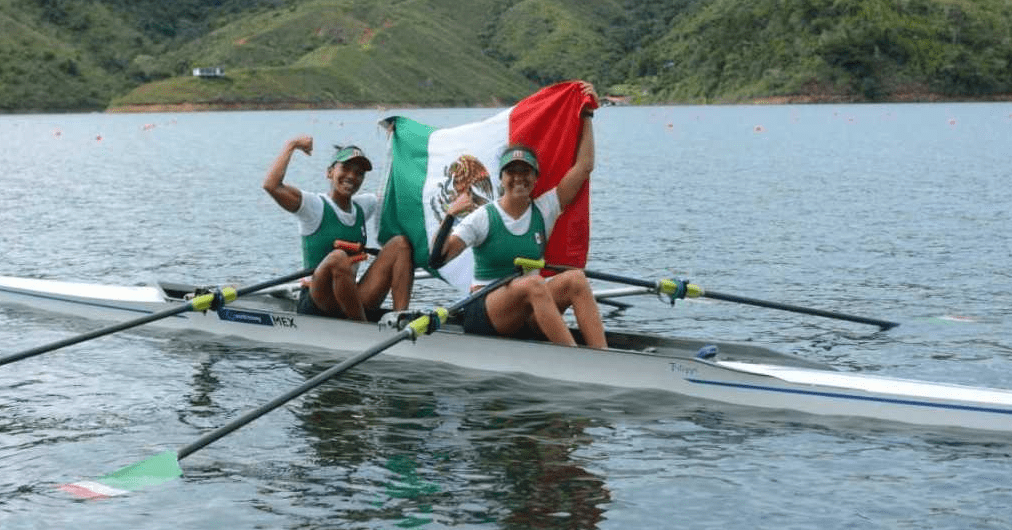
(518,225)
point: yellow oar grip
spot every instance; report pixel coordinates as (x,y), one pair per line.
(422,324)
(671,287)
(202,302)
(205,301)
(528,264)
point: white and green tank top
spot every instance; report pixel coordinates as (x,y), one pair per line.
(317,245)
(493,258)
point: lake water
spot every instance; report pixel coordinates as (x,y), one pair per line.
(899,212)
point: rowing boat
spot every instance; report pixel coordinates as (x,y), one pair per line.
(733,373)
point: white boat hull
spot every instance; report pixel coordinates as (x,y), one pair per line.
(740,374)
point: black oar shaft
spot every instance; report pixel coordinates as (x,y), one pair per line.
(142,320)
(292,394)
(95,334)
(329,373)
(608,277)
(884,324)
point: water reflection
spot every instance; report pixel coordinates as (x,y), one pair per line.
(549,488)
(204,384)
(454,455)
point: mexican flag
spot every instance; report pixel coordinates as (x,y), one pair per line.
(429,167)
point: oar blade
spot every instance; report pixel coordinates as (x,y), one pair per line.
(160,468)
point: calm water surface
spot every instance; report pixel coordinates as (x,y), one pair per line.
(899,212)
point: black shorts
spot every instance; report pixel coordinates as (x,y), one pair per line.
(307,306)
(475,318)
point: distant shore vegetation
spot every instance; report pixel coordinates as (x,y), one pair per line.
(139,55)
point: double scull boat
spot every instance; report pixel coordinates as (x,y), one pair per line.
(733,373)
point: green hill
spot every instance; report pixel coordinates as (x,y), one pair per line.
(40,69)
(135,54)
(841,49)
(328,53)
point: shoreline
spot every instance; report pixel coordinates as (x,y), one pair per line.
(294,105)
(139,108)
(921,97)
(797,99)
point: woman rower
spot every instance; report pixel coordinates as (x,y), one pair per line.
(518,226)
(327,222)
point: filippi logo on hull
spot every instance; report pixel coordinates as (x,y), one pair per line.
(248,317)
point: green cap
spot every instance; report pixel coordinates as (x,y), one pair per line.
(517,154)
(345,154)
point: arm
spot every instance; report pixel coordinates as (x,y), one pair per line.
(288,197)
(573,180)
(445,247)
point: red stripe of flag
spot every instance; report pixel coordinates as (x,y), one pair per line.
(554,136)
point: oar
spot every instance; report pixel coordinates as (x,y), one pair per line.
(883,324)
(682,289)
(198,303)
(165,466)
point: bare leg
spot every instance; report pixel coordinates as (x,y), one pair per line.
(571,288)
(392,272)
(333,286)
(509,308)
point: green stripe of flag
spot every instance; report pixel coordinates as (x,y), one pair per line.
(402,205)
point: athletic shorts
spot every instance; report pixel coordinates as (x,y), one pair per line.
(475,318)
(307,306)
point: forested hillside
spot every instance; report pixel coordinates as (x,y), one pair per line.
(852,49)
(60,55)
